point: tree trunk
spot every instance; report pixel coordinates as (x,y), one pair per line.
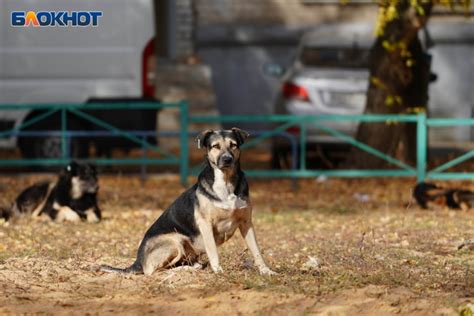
(399,78)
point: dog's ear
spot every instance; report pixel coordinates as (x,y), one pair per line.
(240,135)
(70,169)
(203,137)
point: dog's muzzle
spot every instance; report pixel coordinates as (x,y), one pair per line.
(226,161)
(91,187)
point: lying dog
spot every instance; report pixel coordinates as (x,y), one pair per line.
(73,197)
(206,215)
(428,194)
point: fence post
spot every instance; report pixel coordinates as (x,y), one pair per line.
(64,137)
(303,145)
(143,167)
(421,146)
(183,137)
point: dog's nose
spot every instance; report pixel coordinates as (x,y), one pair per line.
(227,159)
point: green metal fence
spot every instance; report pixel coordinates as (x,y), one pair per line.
(440,172)
(280,122)
(80,110)
(284,122)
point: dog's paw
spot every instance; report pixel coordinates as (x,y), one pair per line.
(217,269)
(197,266)
(66,214)
(92,217)
(267,271)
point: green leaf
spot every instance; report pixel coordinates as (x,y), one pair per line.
(389,100)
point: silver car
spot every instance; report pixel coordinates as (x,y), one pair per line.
(328,76)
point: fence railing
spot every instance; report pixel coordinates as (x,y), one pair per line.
(284,122)
(440,172)
(280,123)
(82,111)
(420,171)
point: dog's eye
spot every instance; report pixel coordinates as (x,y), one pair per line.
(233,145)
(216,146)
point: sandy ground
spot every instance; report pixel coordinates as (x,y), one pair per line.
(341,247)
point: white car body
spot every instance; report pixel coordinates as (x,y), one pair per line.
(330,95)
(340,90)
(334,90)
(72,64)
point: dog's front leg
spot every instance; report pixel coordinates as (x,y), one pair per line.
(205,228)
(66,214)
(248,232)
(93,215)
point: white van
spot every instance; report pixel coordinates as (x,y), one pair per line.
(110,62)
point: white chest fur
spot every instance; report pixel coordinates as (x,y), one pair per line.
(225,192)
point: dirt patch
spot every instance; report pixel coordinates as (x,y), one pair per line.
(373,255)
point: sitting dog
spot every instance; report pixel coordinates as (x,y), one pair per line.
(204,216)
(73,197)
(428,194)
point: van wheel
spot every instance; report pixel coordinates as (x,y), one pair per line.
(50,147)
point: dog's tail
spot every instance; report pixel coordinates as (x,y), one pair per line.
(135,268)
(5,212)
(9,213)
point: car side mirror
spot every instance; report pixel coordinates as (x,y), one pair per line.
(273,70)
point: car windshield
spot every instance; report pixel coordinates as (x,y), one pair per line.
(335,57)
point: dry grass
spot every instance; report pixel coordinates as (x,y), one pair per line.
(383,256)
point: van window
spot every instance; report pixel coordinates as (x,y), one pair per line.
(335,57)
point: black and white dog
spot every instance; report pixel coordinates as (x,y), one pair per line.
(204,216)
(73,197)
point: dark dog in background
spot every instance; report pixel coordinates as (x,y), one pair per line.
(428,195)
(73,197)
(204,216)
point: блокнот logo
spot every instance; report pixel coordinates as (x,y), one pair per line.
(55,18)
